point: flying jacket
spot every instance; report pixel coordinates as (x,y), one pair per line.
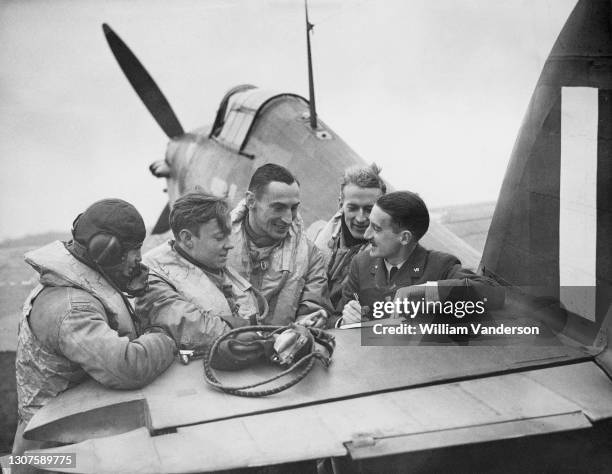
(330,241)
(74,325)
(182,299)
(292,279)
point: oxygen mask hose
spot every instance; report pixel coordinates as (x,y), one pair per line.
(292,346)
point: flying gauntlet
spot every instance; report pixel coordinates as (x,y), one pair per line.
(248,348)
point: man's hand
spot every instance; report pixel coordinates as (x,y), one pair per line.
(316,319)
(243,350)
(159,330)
(351,313)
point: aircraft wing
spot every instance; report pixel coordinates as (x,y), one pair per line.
(369,427)
(372,402)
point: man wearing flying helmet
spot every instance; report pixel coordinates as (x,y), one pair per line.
(77,323)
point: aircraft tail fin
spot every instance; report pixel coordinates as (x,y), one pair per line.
(550,234)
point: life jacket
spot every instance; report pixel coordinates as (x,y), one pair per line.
(41,372)
(281,275)
(195,286)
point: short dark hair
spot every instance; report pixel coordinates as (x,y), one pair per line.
(364,177)
(194,209)
(268,173)
(407,211)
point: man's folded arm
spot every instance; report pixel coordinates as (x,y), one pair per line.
(86,338)
(190,326)
(461,283)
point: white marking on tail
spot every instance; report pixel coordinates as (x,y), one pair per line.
(578,200)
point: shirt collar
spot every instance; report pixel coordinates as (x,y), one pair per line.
(416,257)
(211,271)
(398,265)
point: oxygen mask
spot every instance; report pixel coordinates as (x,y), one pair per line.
(139,281)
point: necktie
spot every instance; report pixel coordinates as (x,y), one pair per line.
(392,272)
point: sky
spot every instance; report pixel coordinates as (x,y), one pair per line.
(434,92)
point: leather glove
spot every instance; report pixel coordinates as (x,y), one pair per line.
(243,350)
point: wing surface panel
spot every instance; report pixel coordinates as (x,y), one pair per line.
(181,397)
(471,411)
(470,435)
(584,384)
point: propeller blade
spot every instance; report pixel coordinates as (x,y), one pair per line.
(163,223)
(143,84)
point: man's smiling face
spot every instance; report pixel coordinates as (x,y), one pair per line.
(385,241)
(274,209)
(357,204)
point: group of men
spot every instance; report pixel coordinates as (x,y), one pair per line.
(254,265)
